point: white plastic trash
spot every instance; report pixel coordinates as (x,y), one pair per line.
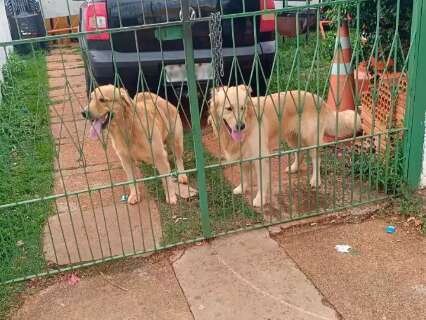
(343,248)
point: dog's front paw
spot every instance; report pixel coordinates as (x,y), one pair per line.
(292,169)
(257,202)
(171,199)
(183,179)
(133,199)
(314,183)
(238,190)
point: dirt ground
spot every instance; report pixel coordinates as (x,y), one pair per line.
(383,278)
(132,289)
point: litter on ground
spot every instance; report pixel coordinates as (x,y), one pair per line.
(390,229)
(343,248)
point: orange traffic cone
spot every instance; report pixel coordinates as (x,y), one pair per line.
(341,89)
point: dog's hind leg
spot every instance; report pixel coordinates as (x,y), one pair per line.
(245,176)
(178,147)
(299,157)
(162,164)
(316,163)
(262,171)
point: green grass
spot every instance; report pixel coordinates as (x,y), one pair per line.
(26,170)
(306,69)
(227,212)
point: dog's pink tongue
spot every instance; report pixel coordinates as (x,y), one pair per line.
(237,135)
(95,129)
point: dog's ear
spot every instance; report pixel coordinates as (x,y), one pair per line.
(216,90)
(212,99)
(125,97)
(249,90)
(212,93)
(245,87)
(212,124)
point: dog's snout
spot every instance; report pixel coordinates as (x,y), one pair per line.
(240,126)
(86,114)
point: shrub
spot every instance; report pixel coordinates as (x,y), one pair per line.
(387,21)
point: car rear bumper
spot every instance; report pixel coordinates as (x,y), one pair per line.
(104,63)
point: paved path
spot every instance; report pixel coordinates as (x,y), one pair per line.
(247,276)
(243,276)
(149,292)
(96,225)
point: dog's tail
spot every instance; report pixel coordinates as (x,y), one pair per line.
(342,124)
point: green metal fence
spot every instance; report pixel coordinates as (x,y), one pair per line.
(63,201)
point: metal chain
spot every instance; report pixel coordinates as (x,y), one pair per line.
(215,26)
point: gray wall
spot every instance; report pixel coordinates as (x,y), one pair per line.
(4,35)
(59,8)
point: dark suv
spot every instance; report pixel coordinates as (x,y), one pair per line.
(131,50)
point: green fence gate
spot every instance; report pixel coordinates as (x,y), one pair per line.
(63,199)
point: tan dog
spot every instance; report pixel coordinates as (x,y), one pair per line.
(233,119)
(238,119)
(132,125)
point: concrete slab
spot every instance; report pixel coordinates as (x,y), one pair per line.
(149,292)
(247,276)
(101,233)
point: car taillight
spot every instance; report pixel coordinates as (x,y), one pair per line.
(267,21)
(96,19)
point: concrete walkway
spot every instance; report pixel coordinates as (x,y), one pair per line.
(247,276)
(244,276)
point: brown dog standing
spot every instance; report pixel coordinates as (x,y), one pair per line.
(251,127)
(139,131)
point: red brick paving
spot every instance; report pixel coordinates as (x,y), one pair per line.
(58,92)
(74,81)
(57,73)
(70,157)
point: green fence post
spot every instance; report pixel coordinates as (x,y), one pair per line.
(195,118)
(416,97)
